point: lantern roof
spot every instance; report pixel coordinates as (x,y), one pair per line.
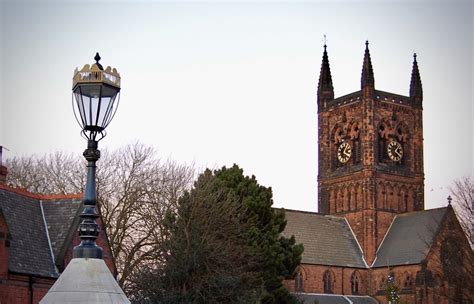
(95,74)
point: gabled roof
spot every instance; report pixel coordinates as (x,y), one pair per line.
(29,247)
(30,251)
(327,240)
(61,216)
(409,238)
(311,298)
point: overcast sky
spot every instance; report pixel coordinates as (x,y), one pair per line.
(218,83)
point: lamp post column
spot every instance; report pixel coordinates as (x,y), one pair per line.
(88,228)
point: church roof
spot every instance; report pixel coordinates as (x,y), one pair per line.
(409,238)
(311,298)
(327,240)
(31,244)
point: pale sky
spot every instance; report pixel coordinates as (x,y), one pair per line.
(217,83)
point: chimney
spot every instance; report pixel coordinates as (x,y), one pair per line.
(3,169)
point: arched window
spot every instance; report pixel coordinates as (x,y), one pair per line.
(356,145)
(359,197)
(299,281)
(337,137)
(408,281)
(382,142)
(351,197)
(382,283)
(402,135)
(328,282)
(339,200)
(403,200)
(355,281)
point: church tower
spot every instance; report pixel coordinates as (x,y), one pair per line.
(370,159)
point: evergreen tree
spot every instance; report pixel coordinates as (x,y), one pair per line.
(224,246)
(279,255)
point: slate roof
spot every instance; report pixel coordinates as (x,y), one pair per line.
(30,251)
(60,215)
(409,238)
(310,298)
(327,240)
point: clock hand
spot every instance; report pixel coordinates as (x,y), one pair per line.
(347,152)
(398,151)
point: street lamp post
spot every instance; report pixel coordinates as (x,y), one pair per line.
(96,94)
(87,278)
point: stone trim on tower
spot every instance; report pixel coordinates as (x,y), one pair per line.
(367,81)
(325,87)
(416,88)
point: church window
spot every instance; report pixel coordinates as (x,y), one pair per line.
(349,199)
(340,198)
(382,284)
(382,143)
(328,282)
(355,199)
(402,135)
(355,283)
(408,283)
(299,287)
(337,139)
(402,200)
(356,145)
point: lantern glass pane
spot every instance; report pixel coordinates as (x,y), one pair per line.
(95,103)
(80,106)
(94,108)
(104,104)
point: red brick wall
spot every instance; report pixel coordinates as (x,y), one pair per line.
(18,289)
(313,279)
(21,289)
(373,282)
(4,248)
(370,195)
(405,277)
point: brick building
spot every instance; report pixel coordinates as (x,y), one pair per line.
(371,218)
(37,235)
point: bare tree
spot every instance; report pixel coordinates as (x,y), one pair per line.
(135,190)
(456,259)
(53,173)
(463,195)
(451,258)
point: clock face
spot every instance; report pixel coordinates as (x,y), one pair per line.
(395,150)
(344,152)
